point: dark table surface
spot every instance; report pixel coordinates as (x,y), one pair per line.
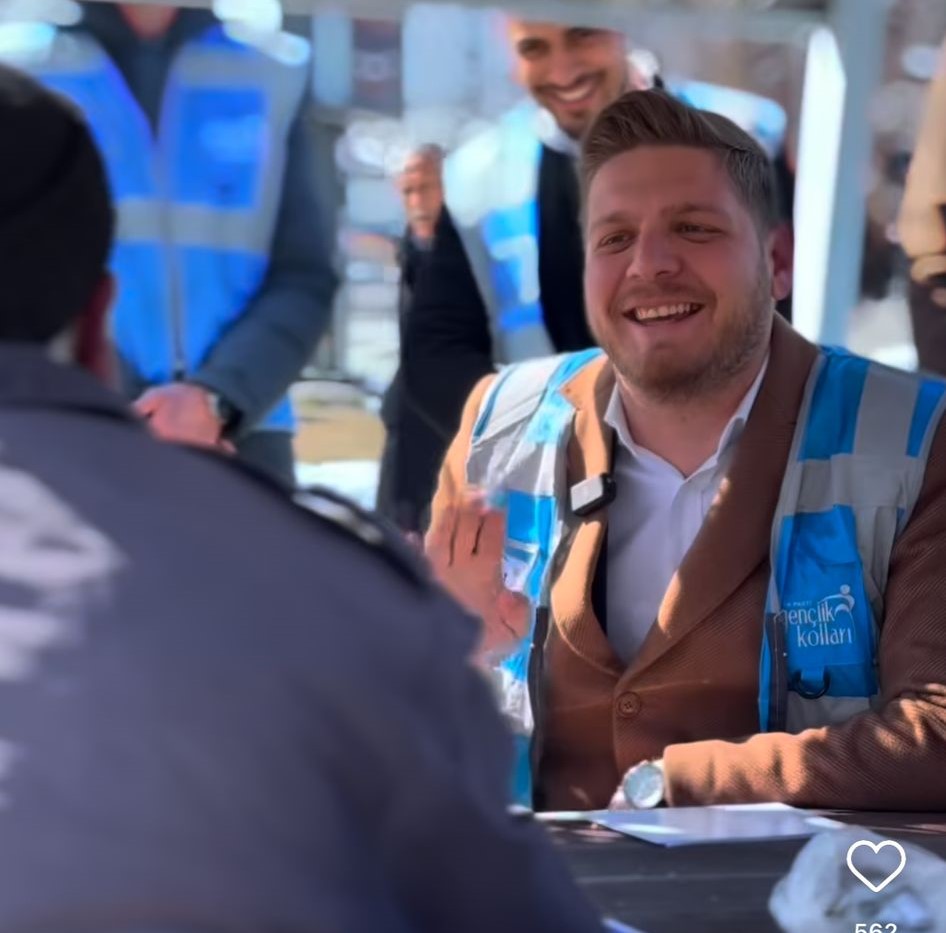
(706,888)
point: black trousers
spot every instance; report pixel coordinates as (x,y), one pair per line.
(929,323)
(270,452)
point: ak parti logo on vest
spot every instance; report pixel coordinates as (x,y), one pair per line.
(827,623)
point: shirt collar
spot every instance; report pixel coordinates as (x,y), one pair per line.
(614,417)
(552,135)
(28,378)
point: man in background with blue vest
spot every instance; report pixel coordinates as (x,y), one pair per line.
(224,283)
(502,281)
(718,574)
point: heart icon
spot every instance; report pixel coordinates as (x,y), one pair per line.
(876,847)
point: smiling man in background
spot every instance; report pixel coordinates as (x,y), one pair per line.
(502,282)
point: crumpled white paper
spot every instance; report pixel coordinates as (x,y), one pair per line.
(821,893)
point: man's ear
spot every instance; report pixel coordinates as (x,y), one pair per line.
(781,247)
(93,350)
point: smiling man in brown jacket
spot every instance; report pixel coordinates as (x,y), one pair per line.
(718,575)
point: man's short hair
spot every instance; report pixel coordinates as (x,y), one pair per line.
(56,218)
(655,118)
(429,154)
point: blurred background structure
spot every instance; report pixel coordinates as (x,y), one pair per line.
(850,76)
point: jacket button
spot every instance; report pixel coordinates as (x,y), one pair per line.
(628,705)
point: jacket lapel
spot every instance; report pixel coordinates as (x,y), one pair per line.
(589,455)
(735,536)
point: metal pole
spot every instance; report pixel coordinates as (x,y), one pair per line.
(845,65)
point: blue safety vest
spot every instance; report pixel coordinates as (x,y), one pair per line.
(197,206)
(490,188)
(853,477)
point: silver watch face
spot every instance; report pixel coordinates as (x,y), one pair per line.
(644,786)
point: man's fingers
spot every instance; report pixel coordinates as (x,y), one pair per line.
(438,544)
(506,625)
(492,537)
(147,405)
(516,612)
(160,427)
(469,518)
(618,800)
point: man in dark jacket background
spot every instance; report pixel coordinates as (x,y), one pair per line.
(421,187)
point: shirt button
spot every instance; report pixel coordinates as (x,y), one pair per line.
(628,705)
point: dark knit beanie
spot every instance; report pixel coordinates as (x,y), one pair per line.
(56,218)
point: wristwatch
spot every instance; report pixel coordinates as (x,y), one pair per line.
(644,785)
(222,410)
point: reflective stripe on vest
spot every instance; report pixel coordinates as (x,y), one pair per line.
(491,187)
(857,464)
(853,477)
(198,208)
(518,446)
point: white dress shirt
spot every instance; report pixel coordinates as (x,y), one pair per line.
(653,521)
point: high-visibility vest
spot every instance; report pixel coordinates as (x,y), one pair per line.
(854,473)
(197,206)
(490,188)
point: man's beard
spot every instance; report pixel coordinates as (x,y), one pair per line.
(738,340)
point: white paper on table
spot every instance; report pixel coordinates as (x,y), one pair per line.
(687,826)
(569,816)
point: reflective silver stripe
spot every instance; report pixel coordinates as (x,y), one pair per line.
(496,453)
(853,480)
(140,221)
(478,178)
(883,423)
(826,711)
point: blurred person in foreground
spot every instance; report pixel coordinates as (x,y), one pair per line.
(224,283)
(922,228)
(194,736)
(502,282)
(420,184)
(718,575)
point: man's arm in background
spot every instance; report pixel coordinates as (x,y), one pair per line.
(922,227)
(446,349)
(264,351)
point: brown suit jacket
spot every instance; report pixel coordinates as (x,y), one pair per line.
(690,696)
